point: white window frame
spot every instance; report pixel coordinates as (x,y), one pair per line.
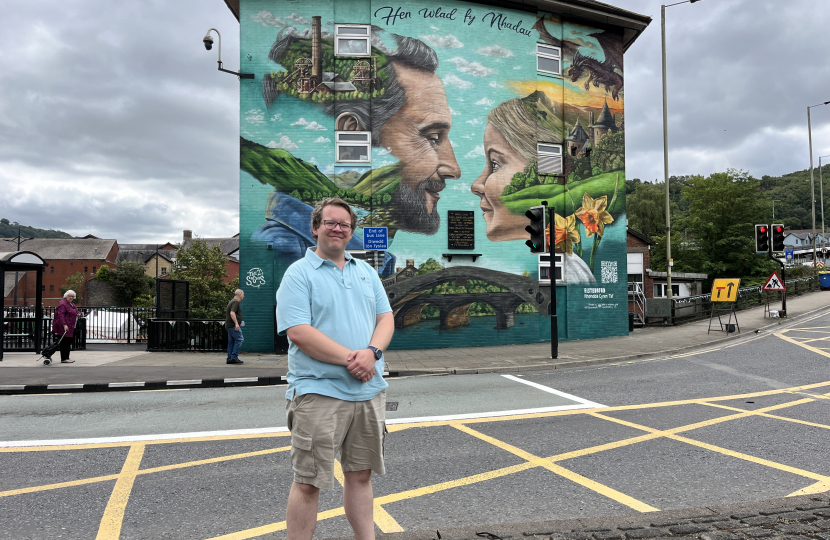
(338,36)
(551,53)
(544,149)
(367,142)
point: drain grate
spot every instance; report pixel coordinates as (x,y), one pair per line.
(391,405)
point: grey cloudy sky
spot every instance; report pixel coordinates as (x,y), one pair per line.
(115,122)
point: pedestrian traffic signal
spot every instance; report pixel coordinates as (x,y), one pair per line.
(777,236)
(536,229)
(762,238)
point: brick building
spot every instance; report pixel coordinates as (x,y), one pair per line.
(229,247)
(64,256)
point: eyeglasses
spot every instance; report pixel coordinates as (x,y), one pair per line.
(332,225)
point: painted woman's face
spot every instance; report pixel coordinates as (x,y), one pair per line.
(502,163)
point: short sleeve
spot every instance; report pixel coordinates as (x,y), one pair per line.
(381,300)
(293,301)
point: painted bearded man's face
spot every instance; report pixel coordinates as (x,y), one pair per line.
(417,135)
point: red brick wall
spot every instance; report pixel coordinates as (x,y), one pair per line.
(232,269)
(53,279)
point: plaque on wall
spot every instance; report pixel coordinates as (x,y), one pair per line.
(461,229)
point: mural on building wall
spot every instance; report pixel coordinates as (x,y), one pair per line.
(403,132)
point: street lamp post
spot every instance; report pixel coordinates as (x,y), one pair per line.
(821,193)
(812,181)
(773,208)
(666,145)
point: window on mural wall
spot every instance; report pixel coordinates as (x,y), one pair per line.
(353,146)
(550,158)
(351,39)
(548,59)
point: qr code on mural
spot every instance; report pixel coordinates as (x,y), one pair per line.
(609,272)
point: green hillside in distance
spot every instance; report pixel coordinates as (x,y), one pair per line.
(346,180)
(10,230)
(278,168)
(380,181)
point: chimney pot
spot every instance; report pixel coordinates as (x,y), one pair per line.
(188,235)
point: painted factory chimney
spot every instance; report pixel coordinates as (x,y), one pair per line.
(316,50)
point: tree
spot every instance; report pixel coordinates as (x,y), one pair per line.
(204,267)
(723,209)
(75,282)
(129,282)
(646,209)
(609,153)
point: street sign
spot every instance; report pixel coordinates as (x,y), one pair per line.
(375,238)
(774,283)
(788,254)
(725,290)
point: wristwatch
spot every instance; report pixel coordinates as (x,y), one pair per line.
(378,352)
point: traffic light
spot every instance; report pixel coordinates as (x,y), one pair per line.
(762,238)
(537,226)
(777,236)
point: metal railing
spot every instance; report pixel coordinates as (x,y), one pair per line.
(699,307)
(103,324)
(19,334)
(202,335)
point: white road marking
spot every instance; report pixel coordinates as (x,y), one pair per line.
(140,438)
(553,391)
(580,404)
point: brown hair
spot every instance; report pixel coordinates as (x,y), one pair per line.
(317,213)
(519,128)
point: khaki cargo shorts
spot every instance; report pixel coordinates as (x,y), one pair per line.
(322,426)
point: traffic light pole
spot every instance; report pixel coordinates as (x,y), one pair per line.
(784,279)
(554,322)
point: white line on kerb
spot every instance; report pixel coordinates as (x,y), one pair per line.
(553,391)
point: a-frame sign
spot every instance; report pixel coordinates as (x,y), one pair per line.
(774,283)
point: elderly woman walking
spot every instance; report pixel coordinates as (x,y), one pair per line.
(64,325)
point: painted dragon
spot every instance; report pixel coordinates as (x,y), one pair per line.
(607,73)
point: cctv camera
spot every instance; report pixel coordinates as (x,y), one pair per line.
(208,41)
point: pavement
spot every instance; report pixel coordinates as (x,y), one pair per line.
(792,518)
(127,367)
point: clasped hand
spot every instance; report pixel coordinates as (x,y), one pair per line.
(361,364)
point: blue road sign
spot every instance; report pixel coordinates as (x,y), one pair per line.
(788,254)
(375,238)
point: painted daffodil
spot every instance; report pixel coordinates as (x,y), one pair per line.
(593,214)
(565,234)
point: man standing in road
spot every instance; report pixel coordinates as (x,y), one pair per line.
(233,322)
(338,320)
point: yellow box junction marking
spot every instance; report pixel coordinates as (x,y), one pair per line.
(385,522)
(113,517)
(725,290)
(110,528)
(561,471)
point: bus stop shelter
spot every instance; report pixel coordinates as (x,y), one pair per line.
(23,261)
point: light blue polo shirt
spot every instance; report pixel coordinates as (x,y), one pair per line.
(343,305)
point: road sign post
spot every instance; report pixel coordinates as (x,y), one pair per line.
(773,283)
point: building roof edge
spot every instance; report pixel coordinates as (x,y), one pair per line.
(633,23)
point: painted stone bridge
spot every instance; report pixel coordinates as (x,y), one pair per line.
(408,296)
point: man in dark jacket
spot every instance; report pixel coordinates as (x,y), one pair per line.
(233,322)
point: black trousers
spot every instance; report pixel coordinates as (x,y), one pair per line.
(66,346)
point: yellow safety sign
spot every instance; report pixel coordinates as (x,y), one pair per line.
(725,290)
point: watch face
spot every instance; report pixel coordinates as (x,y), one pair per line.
(377,352)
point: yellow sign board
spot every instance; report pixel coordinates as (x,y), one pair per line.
(725,290)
